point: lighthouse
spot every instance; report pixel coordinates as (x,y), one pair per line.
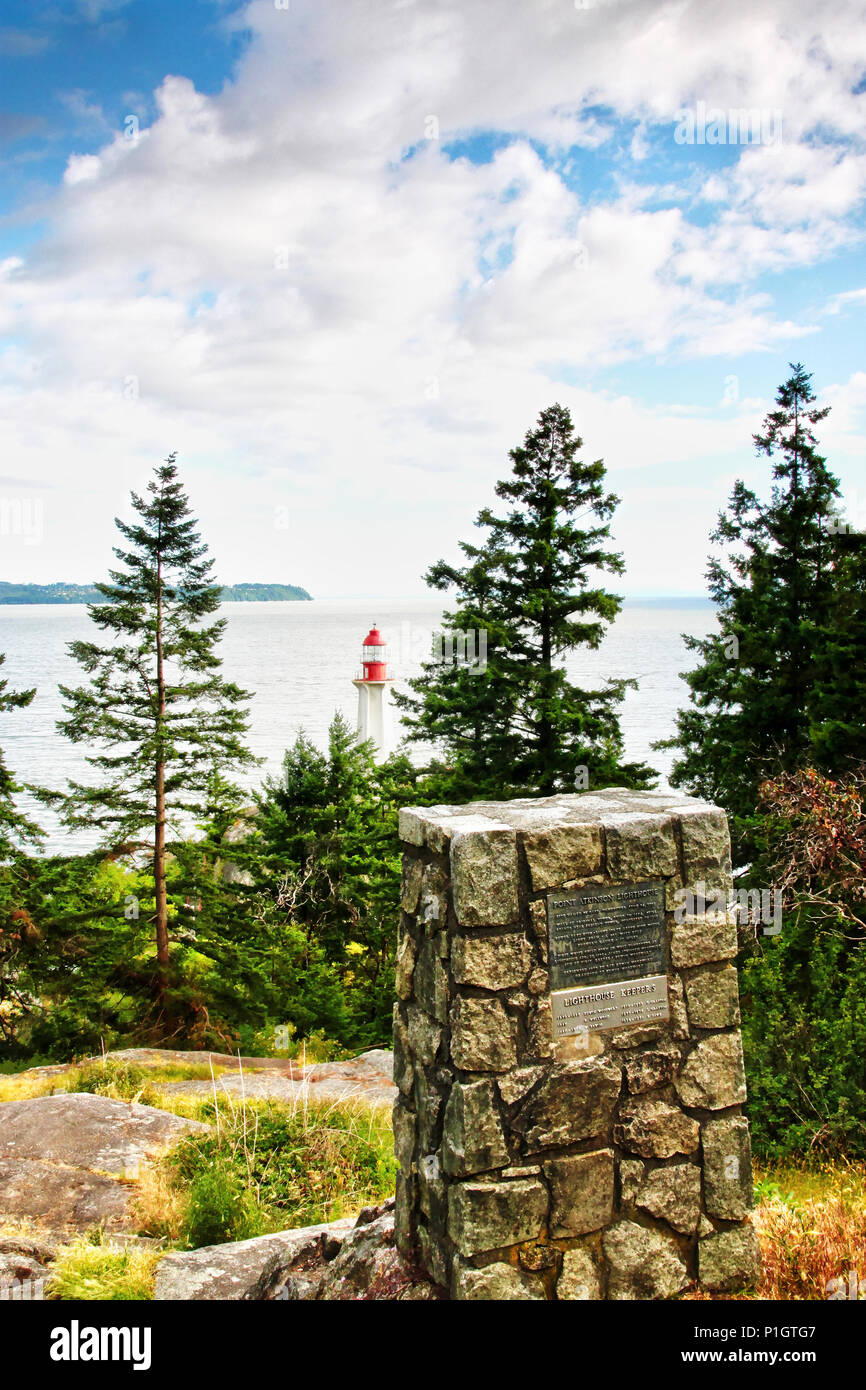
(371,682)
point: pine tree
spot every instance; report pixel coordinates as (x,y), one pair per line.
(156,702)
(752,711)
(519,724)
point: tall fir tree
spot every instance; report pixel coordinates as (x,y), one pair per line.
(156,703)
(753,707)
(519,724)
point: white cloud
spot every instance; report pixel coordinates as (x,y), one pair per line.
(266,282)
(21,43)
(82,168)
(844,430)
(842,301)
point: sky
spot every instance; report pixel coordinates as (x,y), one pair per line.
(339,254)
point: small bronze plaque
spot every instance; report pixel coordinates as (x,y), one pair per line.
(594,1008)
(598,934)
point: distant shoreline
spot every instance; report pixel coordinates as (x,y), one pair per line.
(24,594)
(68,595)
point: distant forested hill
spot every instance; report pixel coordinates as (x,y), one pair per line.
(47,593)
(249,593)
(86,593)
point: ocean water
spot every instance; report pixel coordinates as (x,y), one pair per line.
(298,660)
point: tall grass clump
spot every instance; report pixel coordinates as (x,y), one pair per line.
(268,1167)
(96,1270)
(811,1223)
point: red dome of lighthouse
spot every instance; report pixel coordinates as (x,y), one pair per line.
(374,656)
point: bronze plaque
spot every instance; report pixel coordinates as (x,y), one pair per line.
(607,958)
(592,1008)
(598,934)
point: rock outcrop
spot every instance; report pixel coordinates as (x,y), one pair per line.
(367,1079)
(66,1160)
(344,1260)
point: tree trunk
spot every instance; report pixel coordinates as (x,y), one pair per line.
(546,736)
(159,828)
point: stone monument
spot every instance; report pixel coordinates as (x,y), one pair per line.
(567,1050)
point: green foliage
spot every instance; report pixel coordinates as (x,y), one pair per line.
(284,916)
(89,979)
(65,983)
(15,1065)
(19,933)
(220,1206)
(804,1035)
(776,687)
(837,729)
(327,857)
(16,831)
(312,1047)
(804,993)
(766,1188)
(520,726)
(159,719)
(290,925)
(270,1167)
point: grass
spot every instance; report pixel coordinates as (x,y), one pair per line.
(119,1079)
(266,1167)
(98,1270)
(125,1080)
(811,1223)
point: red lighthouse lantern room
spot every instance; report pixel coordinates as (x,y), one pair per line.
(374,657)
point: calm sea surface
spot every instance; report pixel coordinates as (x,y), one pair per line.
(298,659)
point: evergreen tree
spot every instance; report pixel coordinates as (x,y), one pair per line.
(532,588)
(156,702)
(837,724)
(329,853)
(19,933)
(753,708)
(16,829)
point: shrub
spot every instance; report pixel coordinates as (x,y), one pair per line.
(804,1036)
(268,1167)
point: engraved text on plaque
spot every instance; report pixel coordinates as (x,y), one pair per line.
(607,957)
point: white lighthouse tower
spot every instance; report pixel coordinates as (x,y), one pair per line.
(371,683)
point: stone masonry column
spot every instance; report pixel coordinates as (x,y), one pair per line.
(567,1050)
